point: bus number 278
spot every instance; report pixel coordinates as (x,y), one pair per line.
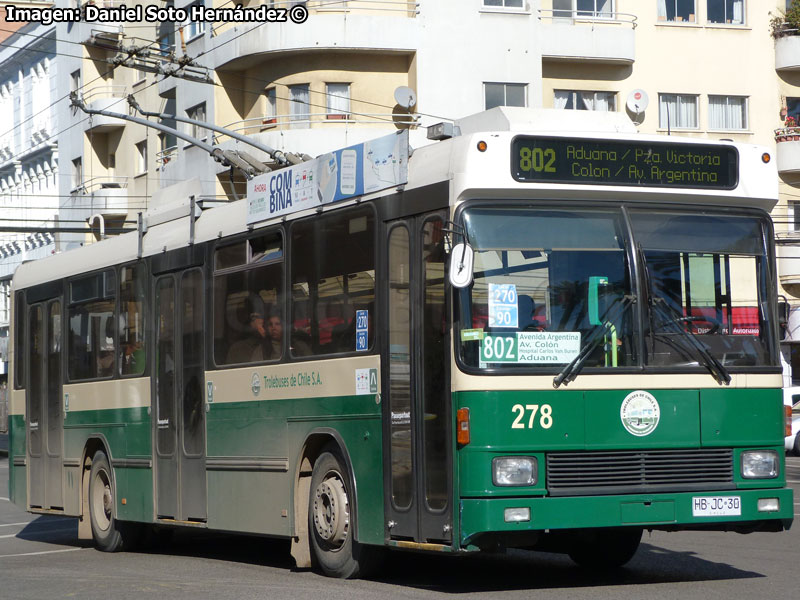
(545,412)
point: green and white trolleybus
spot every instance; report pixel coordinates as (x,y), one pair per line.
(538,333)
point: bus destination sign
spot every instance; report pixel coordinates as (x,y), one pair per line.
(610,162)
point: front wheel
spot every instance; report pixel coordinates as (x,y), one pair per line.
(797,444)
(330,521)
(605,548)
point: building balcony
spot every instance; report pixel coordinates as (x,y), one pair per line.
(106,97)
(376,25)
(96,33)
(105,195)
(787,247)
(605,38)
(787,150)
(787,51)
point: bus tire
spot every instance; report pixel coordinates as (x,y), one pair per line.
(330,521)
(105,530)
(605,548)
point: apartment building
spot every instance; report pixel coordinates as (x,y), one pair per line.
(28,156)
(107,165)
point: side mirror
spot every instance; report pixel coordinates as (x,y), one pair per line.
(462,259)
(594,298)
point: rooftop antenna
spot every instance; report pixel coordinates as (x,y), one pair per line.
(637,103)
(405,97)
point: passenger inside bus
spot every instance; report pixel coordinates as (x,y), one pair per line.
(255,347)
(275,334)
(133,358)
(105,358)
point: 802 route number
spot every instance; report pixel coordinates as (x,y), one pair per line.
(545,412)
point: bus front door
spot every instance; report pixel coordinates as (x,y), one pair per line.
(417,414)
(44,409)
(179,399)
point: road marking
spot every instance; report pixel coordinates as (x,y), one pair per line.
(45,532)
(43,552)
(6,499)
(14,524)
(787,481)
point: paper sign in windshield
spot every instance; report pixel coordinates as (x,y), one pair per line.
(503,310)
(532,347)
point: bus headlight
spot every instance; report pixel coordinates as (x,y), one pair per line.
(514,470)
(760,464)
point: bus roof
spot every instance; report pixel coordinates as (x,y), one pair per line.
(473,172)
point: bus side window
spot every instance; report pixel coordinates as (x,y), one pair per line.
(248,295)
(92,333)
(333,275)
(132,357)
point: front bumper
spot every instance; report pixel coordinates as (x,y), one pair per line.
(670,511)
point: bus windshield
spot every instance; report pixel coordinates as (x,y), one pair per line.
(706,276)
(544,279)
(554,286)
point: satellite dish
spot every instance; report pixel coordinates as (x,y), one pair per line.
(405,96)
(637,101)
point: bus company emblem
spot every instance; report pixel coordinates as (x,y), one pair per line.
(640,413)
(255,384)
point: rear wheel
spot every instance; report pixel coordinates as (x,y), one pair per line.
(604,548)
(108,533)
(330,521)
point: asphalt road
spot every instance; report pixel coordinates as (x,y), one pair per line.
(41,558)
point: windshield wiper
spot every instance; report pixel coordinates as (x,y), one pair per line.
(671,316)
(596,334)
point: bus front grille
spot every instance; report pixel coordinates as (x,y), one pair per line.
(639,471)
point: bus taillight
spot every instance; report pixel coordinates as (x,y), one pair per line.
(462,426)
(787,420)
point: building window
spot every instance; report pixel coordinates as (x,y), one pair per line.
(504,94)
(794,216)
(299,105)
(77,173)
(677,111)
(195,28)
(503,3)
(725,11)
(75,81)
(271,111)
(141,157)
(338,100)
(583,8)
(727,112)
(141,74)
(676,10)
(793,108)
(577,100)
(198,113)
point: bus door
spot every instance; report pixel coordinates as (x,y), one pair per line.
(44,409)
(415,361)
(179,400)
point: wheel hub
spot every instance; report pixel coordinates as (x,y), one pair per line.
(331,511)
